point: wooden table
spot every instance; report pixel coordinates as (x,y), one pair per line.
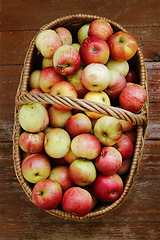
(139,216)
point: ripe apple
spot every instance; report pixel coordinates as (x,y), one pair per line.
(47,194)
(58,162)
(94,199)
(66,60)
(66,89)
(58,118)
(108,130)
(132,76)
(77,124)
(82,172)
(100,97)
(124,168)
(107,188)
(33,81)
(109,161)
(76,45)
(123,46)
(48,78)
(100,28)
(47,129)
(64,34)
(86,145)
(120,66)
(125,146)
(70,157)
(83,32)
(47,62)
(57,143)
(47,42)
(33,117)
(60,174)
(126,125)
(95,77)
(94,50)
(133,97)
(75,80)
(116,84)
(77,201)
(36,167)
(32,142)
(132,134)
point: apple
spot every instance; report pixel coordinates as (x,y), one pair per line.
(120,66)
(97,97)
(66,60)
(64,34)
(100,28)
(124,168)
(86,145)
(132,76)
(48,78)
(75,80)
(77,124)
(58,162)
(76,45)
(66,89)
(33,81)
(132,134)
(47,42)
(125,146)
(94,50)
(58,118)
(36,167)
(123,46)
(95,77)
(32,142)
(126,125)
(60,174)
(109,161)
(70,157)
(47,194)
(82,172)
(133,97)
(57,143)
(94,199)
(47,129)
(107,188)
(83,32)
(39,90)
(47,62)
(77,201)
(116,84)
(33,117)
(108,130)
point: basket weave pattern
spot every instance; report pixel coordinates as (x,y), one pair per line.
(73,23)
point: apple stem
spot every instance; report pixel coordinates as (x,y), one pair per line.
(62,66)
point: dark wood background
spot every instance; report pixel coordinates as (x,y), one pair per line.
(139,216)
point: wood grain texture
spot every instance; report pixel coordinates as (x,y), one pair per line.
(138,218)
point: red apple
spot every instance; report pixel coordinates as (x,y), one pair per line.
(77,201)
(66,60)
(64,34)
(86,145)
(107,188)
(123,46)
(32,142)
(109,161)
(82,172)
(125,146)
(77,124)
(126,125)
(48,77)
(100,28)
(66,89)
(95,77)
(133,97)
(60,174)
(116,84)
(124,167)
(94,50)
(36,167)
(132,134)
(58,118)
(132,76)
(47,194)
(58,162)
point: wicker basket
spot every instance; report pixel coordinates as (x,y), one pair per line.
(73,23)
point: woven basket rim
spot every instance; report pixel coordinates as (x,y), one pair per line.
(23,97)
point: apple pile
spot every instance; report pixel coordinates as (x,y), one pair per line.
(76,159)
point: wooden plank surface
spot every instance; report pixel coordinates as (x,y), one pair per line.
(139,216)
